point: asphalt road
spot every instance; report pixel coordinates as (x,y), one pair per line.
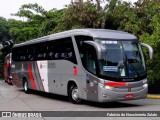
(14,99)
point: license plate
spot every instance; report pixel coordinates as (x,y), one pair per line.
(129,96)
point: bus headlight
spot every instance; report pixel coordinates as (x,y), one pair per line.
(107,87)
(145,85)
(104,86)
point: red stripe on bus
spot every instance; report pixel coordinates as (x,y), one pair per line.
(40,76)
(115,84)
(31,77)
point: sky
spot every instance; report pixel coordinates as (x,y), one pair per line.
(12,6)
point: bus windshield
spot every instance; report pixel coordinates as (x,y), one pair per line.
(121,59)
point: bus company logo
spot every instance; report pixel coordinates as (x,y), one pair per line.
(129,89)
(43,65)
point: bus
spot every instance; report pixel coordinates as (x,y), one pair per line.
(7,69)
(98,65)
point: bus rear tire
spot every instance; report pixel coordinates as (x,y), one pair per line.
(74,94)
(25,87)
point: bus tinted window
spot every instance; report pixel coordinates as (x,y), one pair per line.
(79,40)
(41,51)
(23,53)
(57,49)
(51,51)
(89,59)
(14,55)
(67,51)
(29,51)
(61,49)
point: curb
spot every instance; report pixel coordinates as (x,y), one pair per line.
(149,96)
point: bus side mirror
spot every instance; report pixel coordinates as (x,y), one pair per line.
(151,51)
(96,46)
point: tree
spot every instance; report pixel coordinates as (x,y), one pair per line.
(4,30)
(149,18)
(81,14)
(31,28)
(22,31)
(52,22)
(32,12)
(39,22)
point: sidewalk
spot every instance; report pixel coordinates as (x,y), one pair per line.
(153,96)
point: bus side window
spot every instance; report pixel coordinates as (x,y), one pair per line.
(22,55)
(15,54)
(41,51)
(30,53)
(89,59)
(57,55)
(79,41)
(50,52)
(57,49)
(67,51)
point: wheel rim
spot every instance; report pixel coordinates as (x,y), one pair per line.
(75,95)
(25,86)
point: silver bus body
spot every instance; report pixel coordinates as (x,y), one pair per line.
(69,67)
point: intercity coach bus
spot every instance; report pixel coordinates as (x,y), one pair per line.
(84,64)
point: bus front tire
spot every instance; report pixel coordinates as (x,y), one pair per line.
(74,95)
(25,87)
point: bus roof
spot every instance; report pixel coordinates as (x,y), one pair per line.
(95,33)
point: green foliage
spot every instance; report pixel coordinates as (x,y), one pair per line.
(4,30)
(149,18)
(52,23)
(33,12)
(82,15)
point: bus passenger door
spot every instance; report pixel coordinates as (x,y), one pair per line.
(90,63)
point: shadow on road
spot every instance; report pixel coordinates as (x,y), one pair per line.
(84,102)
(111,104)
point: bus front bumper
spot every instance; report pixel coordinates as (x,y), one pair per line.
(109,95)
